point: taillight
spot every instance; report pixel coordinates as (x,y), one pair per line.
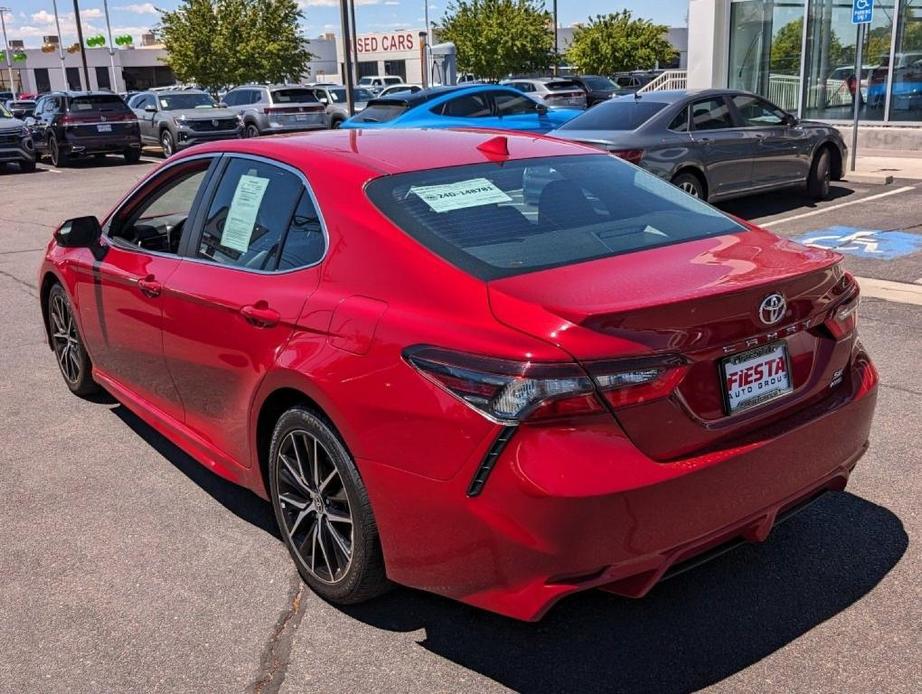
(632,155)
(508,392)
(844,317)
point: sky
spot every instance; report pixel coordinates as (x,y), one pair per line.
(31,19)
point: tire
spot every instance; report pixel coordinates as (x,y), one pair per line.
(167,143)
(73,361)
(335,123)
(340,559)
(250,130)
(27,165)
(820,175)
(690,184)
(58,160)
(132,156)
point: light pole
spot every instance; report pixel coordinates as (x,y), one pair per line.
(57,23)
(105,4)
(427,54)
(6,47)
(86,70)
(347,54)
(556,52)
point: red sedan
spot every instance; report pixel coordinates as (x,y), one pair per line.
(443,382)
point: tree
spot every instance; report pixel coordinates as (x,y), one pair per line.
(497,37)
(217,43)
(616,42)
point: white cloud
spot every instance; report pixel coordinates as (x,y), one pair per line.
(43,17)
(333,3)
(138,8)
(391,2)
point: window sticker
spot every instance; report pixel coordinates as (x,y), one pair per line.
(458,196)
(241,218)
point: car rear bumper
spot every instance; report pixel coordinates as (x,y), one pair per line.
(294,127)
(569,508)
(80,146)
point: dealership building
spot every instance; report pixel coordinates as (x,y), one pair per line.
(801,55)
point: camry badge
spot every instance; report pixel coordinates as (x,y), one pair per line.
(772,308)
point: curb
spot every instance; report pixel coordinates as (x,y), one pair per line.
(872,178)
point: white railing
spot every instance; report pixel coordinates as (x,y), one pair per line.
(783,90)
(670,79)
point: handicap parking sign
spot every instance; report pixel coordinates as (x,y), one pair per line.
(862,11)
(863,243)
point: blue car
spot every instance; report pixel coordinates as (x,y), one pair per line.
(472,106)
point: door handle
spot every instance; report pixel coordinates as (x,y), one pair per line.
(150,287)
(260,315)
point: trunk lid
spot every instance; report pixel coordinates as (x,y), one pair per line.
(699,300)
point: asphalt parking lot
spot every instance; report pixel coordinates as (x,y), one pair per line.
(126,566)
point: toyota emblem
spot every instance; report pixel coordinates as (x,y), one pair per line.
(772,308)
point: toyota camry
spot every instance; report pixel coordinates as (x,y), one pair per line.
(441,384)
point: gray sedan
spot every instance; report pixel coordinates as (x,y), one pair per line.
(714,144)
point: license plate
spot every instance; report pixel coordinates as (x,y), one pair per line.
(104,128)
(757,376)
(301,116)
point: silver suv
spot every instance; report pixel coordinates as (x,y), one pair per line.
(276,108)
(552,91)
(15,142)
(333,98)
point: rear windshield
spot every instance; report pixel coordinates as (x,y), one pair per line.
(380,112)
(293,96)
(621,114)
(599,83)
(497,220)
(98,102)
(562,85)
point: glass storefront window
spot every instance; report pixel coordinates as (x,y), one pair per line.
(906,92)
(766,41)
(830,83)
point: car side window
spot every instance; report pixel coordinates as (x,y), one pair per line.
(679,124)
(304,242)
(248,215)
(711,114)
(467,106)
(230,99)
(755,112)
(156,221)
(508,104)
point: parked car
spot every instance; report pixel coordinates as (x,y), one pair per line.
(400,88)
(277,108)
(473,106)
(6,96)
(715,144)
(175,120)
(597,88)
(440,386)
(630,82)
(375,83)
(69,125)
(21,108)
(553,92)
(15,142)
(333,98)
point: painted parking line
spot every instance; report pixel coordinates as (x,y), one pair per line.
(876,244)
(831,208)
(900,292)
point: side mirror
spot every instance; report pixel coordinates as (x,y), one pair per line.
(29,121)
(79,232)
(542,109)
(789,120)
(323,100)
(222,104)
(150,108)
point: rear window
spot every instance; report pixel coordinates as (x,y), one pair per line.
(599,83)
(98,102)
(380,112)
(293,96)
(497,220)
(562,85)
(621,114)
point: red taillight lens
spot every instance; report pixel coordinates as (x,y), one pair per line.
(508,392)
(632,382)
(635,156)
(843,319)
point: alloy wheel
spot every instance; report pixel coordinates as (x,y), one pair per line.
(67,346)
(316,514)
(55,152)
(251,131)
(166,141)
(690,188)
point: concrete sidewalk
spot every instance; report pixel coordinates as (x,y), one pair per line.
(881,166)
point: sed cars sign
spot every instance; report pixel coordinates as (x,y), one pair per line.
(387,43)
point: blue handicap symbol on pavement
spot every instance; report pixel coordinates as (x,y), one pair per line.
(864,243)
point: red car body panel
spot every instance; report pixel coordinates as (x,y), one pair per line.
(611,499)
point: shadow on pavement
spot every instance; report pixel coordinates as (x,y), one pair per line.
(788,200)
(691,631)
(239,501)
